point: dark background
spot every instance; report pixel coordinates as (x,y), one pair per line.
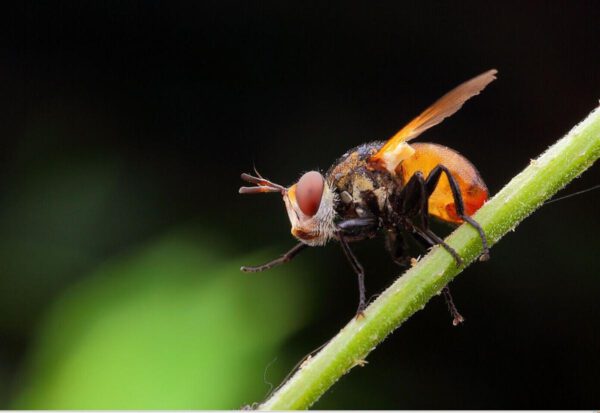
(121,121)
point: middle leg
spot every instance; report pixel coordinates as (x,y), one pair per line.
(415,196)
(414,207)
(397,250)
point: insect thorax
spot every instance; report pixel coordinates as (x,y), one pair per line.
(361,191)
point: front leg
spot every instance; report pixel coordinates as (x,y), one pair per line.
(288,256)
(358,228)
(360,272)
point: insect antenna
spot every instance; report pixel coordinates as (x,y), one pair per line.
(262,185)
(256,171)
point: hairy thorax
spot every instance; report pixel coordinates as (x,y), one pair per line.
(361,190)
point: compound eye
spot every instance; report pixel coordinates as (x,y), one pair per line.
(309,191)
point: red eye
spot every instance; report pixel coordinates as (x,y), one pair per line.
(309,191)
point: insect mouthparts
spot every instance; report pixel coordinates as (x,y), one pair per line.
(390,188)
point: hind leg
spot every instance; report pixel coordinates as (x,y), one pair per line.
(415,196)
(432,180)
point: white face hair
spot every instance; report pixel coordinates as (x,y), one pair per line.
(309,205)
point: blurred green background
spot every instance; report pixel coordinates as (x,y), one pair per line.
(125,126)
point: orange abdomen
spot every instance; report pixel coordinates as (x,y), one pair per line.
(441,203)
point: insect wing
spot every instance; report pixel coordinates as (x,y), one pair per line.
(392,152)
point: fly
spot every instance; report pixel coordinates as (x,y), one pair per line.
(391,188)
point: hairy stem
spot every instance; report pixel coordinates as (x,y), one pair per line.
(526,192)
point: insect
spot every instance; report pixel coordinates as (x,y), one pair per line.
(390,188)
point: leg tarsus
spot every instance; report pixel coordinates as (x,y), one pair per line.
(457,318)
(288,256)
(485,255)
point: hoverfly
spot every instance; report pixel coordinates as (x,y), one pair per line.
(386,187)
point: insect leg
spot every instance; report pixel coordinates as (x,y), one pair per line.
(358,269)
(425,238)
(415,196)
(418,187)
(432,181)
(358,227)
(396,246)
(414,199)
(433,239)
(457,318)
(281,260)
(429,236)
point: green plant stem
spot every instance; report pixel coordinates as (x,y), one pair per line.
(526,192)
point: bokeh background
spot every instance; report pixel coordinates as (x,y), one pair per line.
(125,125)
